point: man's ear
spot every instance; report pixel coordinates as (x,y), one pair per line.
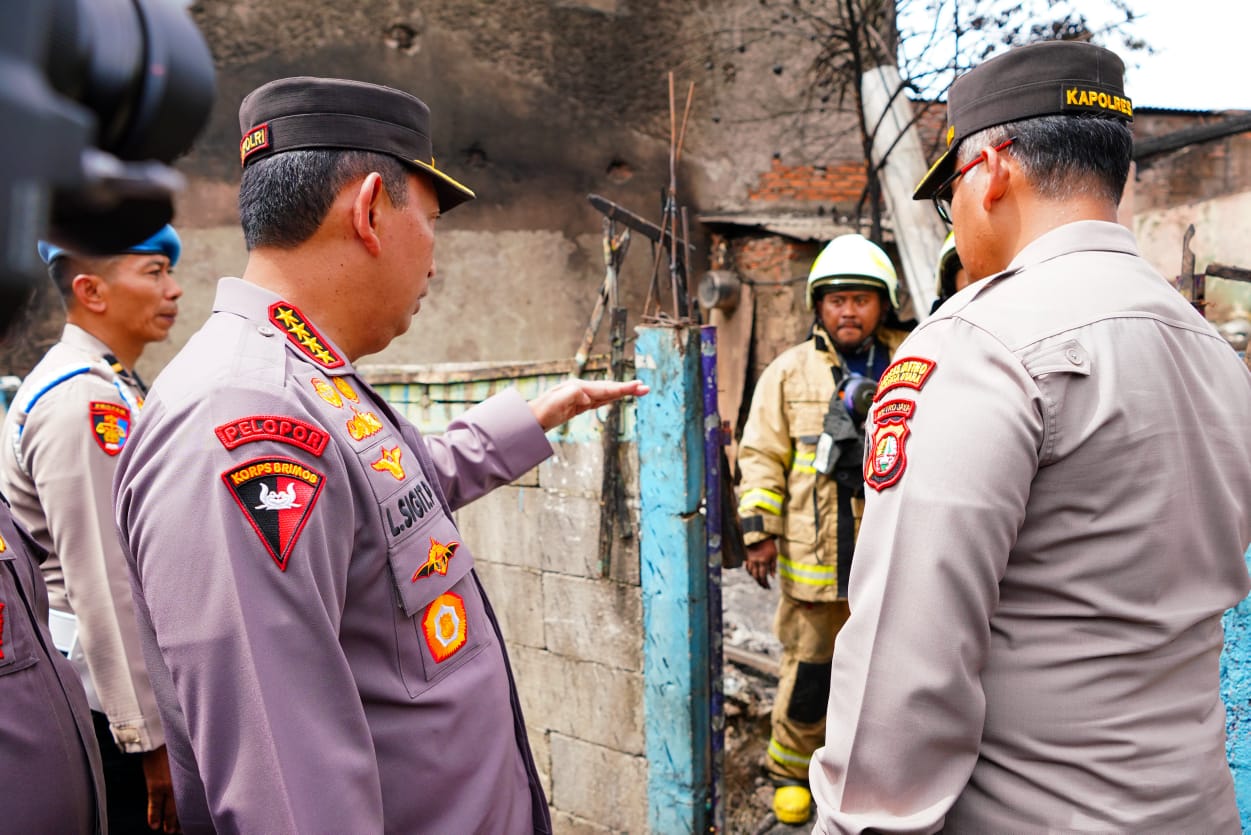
(999,172)
(365,212)
(90,292)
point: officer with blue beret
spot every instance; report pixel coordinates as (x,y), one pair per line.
(71,417)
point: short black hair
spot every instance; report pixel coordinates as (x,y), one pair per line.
(284,198)
(1063,156)
(66,267)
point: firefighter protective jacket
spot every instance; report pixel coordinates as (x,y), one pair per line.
(781,493)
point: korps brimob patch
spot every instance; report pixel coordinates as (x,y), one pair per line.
(276,496)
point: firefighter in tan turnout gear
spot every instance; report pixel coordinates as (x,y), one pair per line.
(801,489)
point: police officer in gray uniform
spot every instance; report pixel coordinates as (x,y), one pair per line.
(50,777)
(1058,465)
(324,656)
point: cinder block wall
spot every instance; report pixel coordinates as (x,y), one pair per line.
(572,625)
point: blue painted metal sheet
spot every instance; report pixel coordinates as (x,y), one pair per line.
(672,557)
(1236,691)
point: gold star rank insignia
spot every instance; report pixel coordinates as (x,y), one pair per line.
(301,333)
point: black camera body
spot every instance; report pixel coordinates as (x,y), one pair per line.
(840,447)
(99,97)
(857,393)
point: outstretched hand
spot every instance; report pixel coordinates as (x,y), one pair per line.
(573,397)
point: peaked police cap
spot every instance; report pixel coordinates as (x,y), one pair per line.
(302,113)
(1065,78)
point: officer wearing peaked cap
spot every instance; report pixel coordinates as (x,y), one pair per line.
(344,671)
(1056,517)
(70,418)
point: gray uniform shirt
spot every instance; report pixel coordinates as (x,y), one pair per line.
(59,475)
(1058,468)
(324,656)
(50,777)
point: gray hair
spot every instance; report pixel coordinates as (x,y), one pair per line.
(1063,156)
(284,198)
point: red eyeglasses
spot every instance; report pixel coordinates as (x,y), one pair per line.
(942,196)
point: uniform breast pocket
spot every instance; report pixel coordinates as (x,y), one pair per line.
(17,640)
(440,622)
(806,417)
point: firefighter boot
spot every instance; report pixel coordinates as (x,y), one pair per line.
(791,804)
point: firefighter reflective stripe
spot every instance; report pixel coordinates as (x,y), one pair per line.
(809,575)
(786,756)
(803,462)
(762,499)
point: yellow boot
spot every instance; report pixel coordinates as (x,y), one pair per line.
(791,804)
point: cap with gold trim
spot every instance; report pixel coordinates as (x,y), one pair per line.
(303,113)
(1050,78)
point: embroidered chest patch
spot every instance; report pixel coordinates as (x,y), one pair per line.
(110,426)
(389,462)
(444,626)
(887,454)
(345,388)
(327,392)
(363,424)
(303,335)
(437,558)
(908,372)
(276,496)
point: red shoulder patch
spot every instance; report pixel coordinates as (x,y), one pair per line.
(110,426)
(908,372)
(276,496)
(887,454)
(303,335)
(285,430)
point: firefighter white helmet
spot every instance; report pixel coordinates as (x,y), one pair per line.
(853,261)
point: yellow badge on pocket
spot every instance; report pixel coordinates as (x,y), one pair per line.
(444,626)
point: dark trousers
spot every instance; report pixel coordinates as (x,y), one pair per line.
(125,788)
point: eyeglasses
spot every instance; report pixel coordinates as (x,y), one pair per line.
(942,195)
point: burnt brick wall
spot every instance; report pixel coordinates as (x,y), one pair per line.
(840,182)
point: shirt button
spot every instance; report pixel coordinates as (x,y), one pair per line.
(264,330)
(1074,356)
